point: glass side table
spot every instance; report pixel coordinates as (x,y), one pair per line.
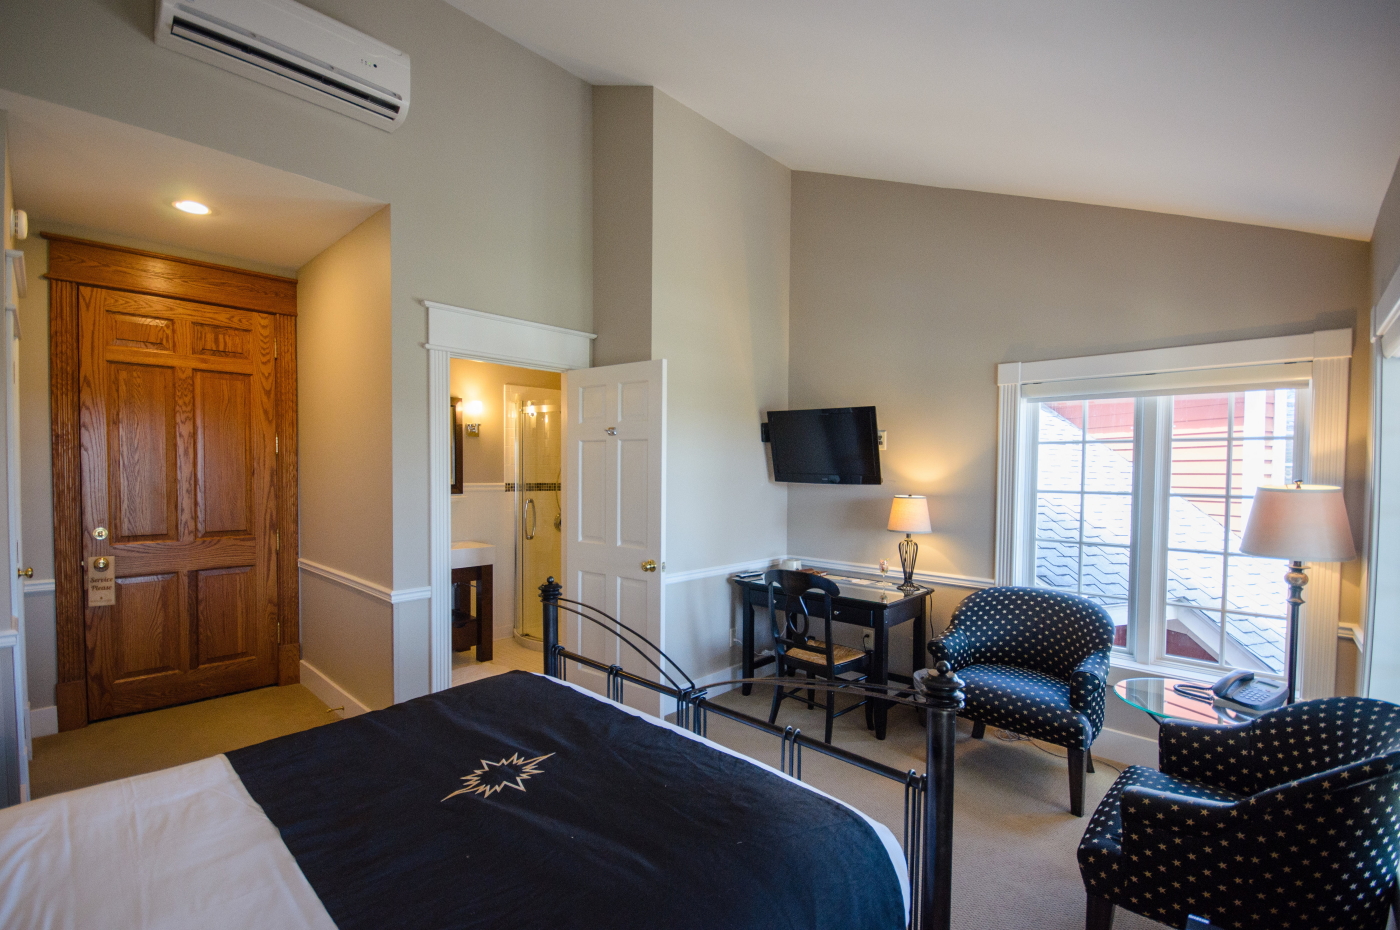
(1159,700)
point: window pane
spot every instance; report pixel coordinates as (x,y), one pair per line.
(1259,643)
(1239,518)
(1108,518)
(1057,516)
(1111,420)
(1195,579)
(1108,467)
(1260,461)
(1062,422)
(1200,415)
(1196,523)
(1257,585)
(1192,634)
(1057,467)
(1057,565)
(1198,466)
(1104,573)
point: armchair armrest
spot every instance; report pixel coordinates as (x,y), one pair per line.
(1214,753)
(1149,809)
(1088,684)
(953,647)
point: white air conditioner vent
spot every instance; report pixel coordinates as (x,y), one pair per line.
(285,45)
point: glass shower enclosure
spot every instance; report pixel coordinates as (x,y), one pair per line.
(533,423)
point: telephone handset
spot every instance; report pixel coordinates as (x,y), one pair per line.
(1242,688)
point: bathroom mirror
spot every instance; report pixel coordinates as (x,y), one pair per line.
(456,469)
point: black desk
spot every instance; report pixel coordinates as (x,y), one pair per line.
(878,605)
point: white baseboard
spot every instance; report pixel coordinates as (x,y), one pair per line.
(330,693)
(1127,748)
(43,721)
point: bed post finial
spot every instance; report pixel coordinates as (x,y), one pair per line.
(940,689)
(549,596)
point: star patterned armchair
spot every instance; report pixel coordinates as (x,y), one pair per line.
(1035,662)
(1291,822)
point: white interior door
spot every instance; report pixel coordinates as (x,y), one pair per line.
(12,290)
(614,499)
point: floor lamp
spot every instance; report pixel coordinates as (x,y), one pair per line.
(1301,523)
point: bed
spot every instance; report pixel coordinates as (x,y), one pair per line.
(517,801)
(514,801)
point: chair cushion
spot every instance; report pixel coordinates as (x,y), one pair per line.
(1027,702)
(816,654)
(1101,853)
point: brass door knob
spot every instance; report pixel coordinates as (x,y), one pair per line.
(649,565)
(25,572)
(100,533)
(101,563)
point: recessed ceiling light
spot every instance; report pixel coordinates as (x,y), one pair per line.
(191,206)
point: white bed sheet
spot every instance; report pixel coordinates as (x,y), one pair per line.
(188,848)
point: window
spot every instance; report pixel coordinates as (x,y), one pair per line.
(1163,557)
(1128,479)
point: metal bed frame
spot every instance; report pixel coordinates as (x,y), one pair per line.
(928,798)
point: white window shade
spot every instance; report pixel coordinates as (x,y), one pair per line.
(1197,381)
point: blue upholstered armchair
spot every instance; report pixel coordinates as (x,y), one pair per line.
(1291,822)
(1036,663)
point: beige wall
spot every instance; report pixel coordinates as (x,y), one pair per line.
(700,244)
(483,457)
(1385,239)
(489,178)
(907,298)
(622,223)
(344,303)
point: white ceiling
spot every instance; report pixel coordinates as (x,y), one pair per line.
(1275,112)
(76,169)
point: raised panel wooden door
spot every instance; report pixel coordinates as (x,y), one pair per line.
(178,447)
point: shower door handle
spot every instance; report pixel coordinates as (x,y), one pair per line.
(530,518)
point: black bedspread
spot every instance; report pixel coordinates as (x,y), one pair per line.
(516,802)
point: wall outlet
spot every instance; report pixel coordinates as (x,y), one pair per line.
(867,640)
(883,434)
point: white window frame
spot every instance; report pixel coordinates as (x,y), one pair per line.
(1320,458)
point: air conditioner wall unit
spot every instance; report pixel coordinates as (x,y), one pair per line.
(295,49)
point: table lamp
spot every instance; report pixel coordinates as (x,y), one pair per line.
(909,514)
(1302,523)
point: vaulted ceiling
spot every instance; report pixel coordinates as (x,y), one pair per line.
(1275,112)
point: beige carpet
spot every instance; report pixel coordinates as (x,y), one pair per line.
(111,749)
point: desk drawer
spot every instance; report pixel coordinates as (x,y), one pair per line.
(855,615)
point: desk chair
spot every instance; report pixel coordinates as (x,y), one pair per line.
(793,595)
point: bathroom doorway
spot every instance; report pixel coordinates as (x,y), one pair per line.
(507,515)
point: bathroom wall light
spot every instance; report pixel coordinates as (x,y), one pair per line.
(191,206)
(473,409)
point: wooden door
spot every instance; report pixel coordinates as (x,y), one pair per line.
(178,468)
(614,500)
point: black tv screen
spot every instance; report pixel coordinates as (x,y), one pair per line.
(838,445)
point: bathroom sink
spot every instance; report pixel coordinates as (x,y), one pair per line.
(469,554)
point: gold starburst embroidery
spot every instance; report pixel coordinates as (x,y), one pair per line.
(493,776)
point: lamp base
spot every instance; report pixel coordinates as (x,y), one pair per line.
(908,555)
(1297,579)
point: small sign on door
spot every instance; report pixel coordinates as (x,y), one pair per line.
(101,581)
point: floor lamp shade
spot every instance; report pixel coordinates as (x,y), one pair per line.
(1306,523)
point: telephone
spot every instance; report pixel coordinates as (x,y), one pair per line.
(1242,688)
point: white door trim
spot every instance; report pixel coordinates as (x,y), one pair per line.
(456,332)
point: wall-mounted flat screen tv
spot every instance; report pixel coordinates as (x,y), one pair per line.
(838,445)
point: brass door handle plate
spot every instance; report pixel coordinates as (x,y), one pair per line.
(649,565)
(25,572)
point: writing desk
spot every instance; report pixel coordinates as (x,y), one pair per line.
(877,605)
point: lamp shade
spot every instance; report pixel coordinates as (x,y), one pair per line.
(1307,523)
(909,514)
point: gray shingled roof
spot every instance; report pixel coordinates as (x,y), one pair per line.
(1255,585)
